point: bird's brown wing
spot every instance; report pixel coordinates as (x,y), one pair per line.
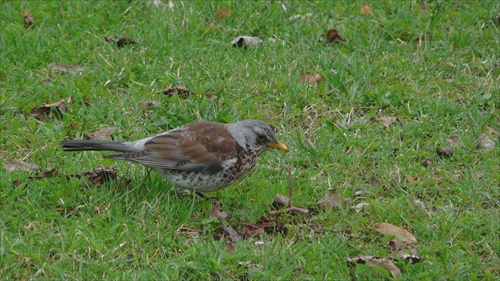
(203,146)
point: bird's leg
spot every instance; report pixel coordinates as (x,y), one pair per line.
(200,194)
(180,192)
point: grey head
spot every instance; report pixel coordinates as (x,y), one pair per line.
(255,134)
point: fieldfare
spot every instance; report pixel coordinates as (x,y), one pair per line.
(202,156)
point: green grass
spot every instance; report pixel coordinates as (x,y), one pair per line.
(445,84)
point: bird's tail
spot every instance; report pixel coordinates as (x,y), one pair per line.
(96,145)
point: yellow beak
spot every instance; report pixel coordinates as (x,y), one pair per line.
(278,145)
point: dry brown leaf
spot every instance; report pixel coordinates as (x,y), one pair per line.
(412,255)
(249,230)
(66,68)
(50,110)
(311,78)
(223,13)
(333,36)
(399,233)
(280,201)
(102,134)
(216,213)
(229,248)
(409,179)
(383,262)
(28,19)
(257,229)
(366,10)
(231,233)
(211,96)
(454,141)
(387,121)
(426,162)
(446,151)
(245,41)
(14,165)
(122,42)
(484,142)
(360,206)
(182,91)
(98,175)
(332,199)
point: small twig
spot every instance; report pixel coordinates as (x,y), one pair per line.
(291,185)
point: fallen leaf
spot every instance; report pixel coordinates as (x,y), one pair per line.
(409,179)
(426,162)
(182,91)
(245,41)
(124,41)
(231,233)
(211,96)
(249,230)
(484,142)
(404,252)
(279,202)
(255,230)
(311,78)
(223,13)
(412,256)
(399,233)
(333,36)
(14,165)
(28,19)
(46,174)
(216,213)
(103,134)
(387,121)
(331,199)
(66,68)
(454,141)
(366,10)
(383,262)
(229,248)
(360,206)
(446,151)
(50,110)
(98,175)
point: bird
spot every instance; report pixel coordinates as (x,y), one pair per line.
(201,156)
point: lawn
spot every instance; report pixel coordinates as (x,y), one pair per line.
(402,131)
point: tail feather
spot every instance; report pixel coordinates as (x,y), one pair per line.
(95,145)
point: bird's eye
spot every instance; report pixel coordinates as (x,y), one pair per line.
(261,137)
